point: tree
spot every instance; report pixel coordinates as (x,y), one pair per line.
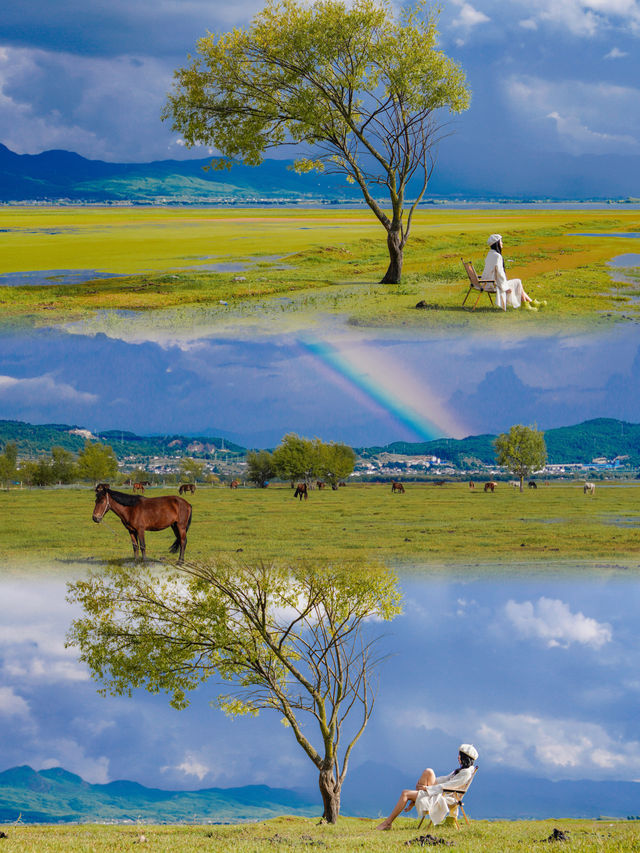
(9,463)
(294,458)
(294,640)
(356,86)
(259,467)
(336,462)
(63,466)
(37,472)
(522,450)
(191,470)
(97,462)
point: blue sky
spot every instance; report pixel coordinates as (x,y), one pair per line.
(540,674)
(253,391)
(551,78)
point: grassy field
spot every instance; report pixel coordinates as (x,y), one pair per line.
(333,260)
(426,528)
(350,834)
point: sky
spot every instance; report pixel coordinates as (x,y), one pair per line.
(554,77)
(540,675)
(348,387)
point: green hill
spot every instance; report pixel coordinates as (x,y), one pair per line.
(57,796)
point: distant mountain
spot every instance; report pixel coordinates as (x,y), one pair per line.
(372,789)
(55,175)
(64,175)
(57,796)
(33,440)
(601,437)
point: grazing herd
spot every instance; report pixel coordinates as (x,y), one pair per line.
(139,514)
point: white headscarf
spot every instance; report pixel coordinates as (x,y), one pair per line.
(470,750)
(494,238)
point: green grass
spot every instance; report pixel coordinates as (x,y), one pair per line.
(347,836)
(336,259)
(427,527)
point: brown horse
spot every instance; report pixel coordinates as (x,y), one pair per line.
(472,485)
(397,487)
(187,487)
(139,514)
(138,487)
(301,491)
(234,484)
(490,486)
(320,484)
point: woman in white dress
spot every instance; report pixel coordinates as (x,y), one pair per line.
(508,291)
(427,796)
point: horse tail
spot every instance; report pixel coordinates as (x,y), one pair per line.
(176,545)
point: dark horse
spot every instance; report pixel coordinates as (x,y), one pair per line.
(301,491)
(139,514)
(490,486)
(397,487)
(187,487)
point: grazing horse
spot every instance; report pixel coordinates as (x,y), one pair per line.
(532,484)
(301,491)
(490,486)
(187,487)
(138,487)
(320,484)
(472,485)
(234,484)
(589,488)
(139,514)
(439,482)
(397,487)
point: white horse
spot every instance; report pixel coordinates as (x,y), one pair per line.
(589,488)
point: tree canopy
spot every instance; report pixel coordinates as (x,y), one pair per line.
(291,639)
(97,462)
(259,467)
(359,87)
(522,450)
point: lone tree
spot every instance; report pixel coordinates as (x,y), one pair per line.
(97,462)
(292,640)
(336,462)
(259,467)
(356,86)
(522,450)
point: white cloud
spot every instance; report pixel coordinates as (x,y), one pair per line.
(469,17)
(529,24)
(69,754)
(616,53)
(560,748)
(585,18)
(590,118)
(552,621)
(42,389)
(11,704)
(190,766)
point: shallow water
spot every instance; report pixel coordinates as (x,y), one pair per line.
(40,278)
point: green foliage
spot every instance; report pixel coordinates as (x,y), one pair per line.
(290,638)
(522,450)
(294,458)
(191,470)
(9,463)
(97,462)
(358,83)
(336,462)
(260,467)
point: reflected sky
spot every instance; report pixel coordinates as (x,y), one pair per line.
(254,390)
(540,675)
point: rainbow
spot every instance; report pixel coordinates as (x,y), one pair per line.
(376,378)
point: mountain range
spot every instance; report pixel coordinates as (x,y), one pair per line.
(58,796)
(64,176)
(601,437)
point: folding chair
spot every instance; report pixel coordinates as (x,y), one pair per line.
(454,799)
(482,285)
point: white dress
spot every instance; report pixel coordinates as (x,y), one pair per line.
(494,271)
(433,802)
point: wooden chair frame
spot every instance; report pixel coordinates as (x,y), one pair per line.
(482,285)
(458,796)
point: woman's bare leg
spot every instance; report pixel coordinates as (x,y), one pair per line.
(408,798)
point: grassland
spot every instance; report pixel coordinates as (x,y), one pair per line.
(350,834)
(333,260)
(426,528)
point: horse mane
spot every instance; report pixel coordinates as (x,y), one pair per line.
(123,498)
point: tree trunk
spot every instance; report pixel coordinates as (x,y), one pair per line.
(521,483)
(394,244)
(330,796)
